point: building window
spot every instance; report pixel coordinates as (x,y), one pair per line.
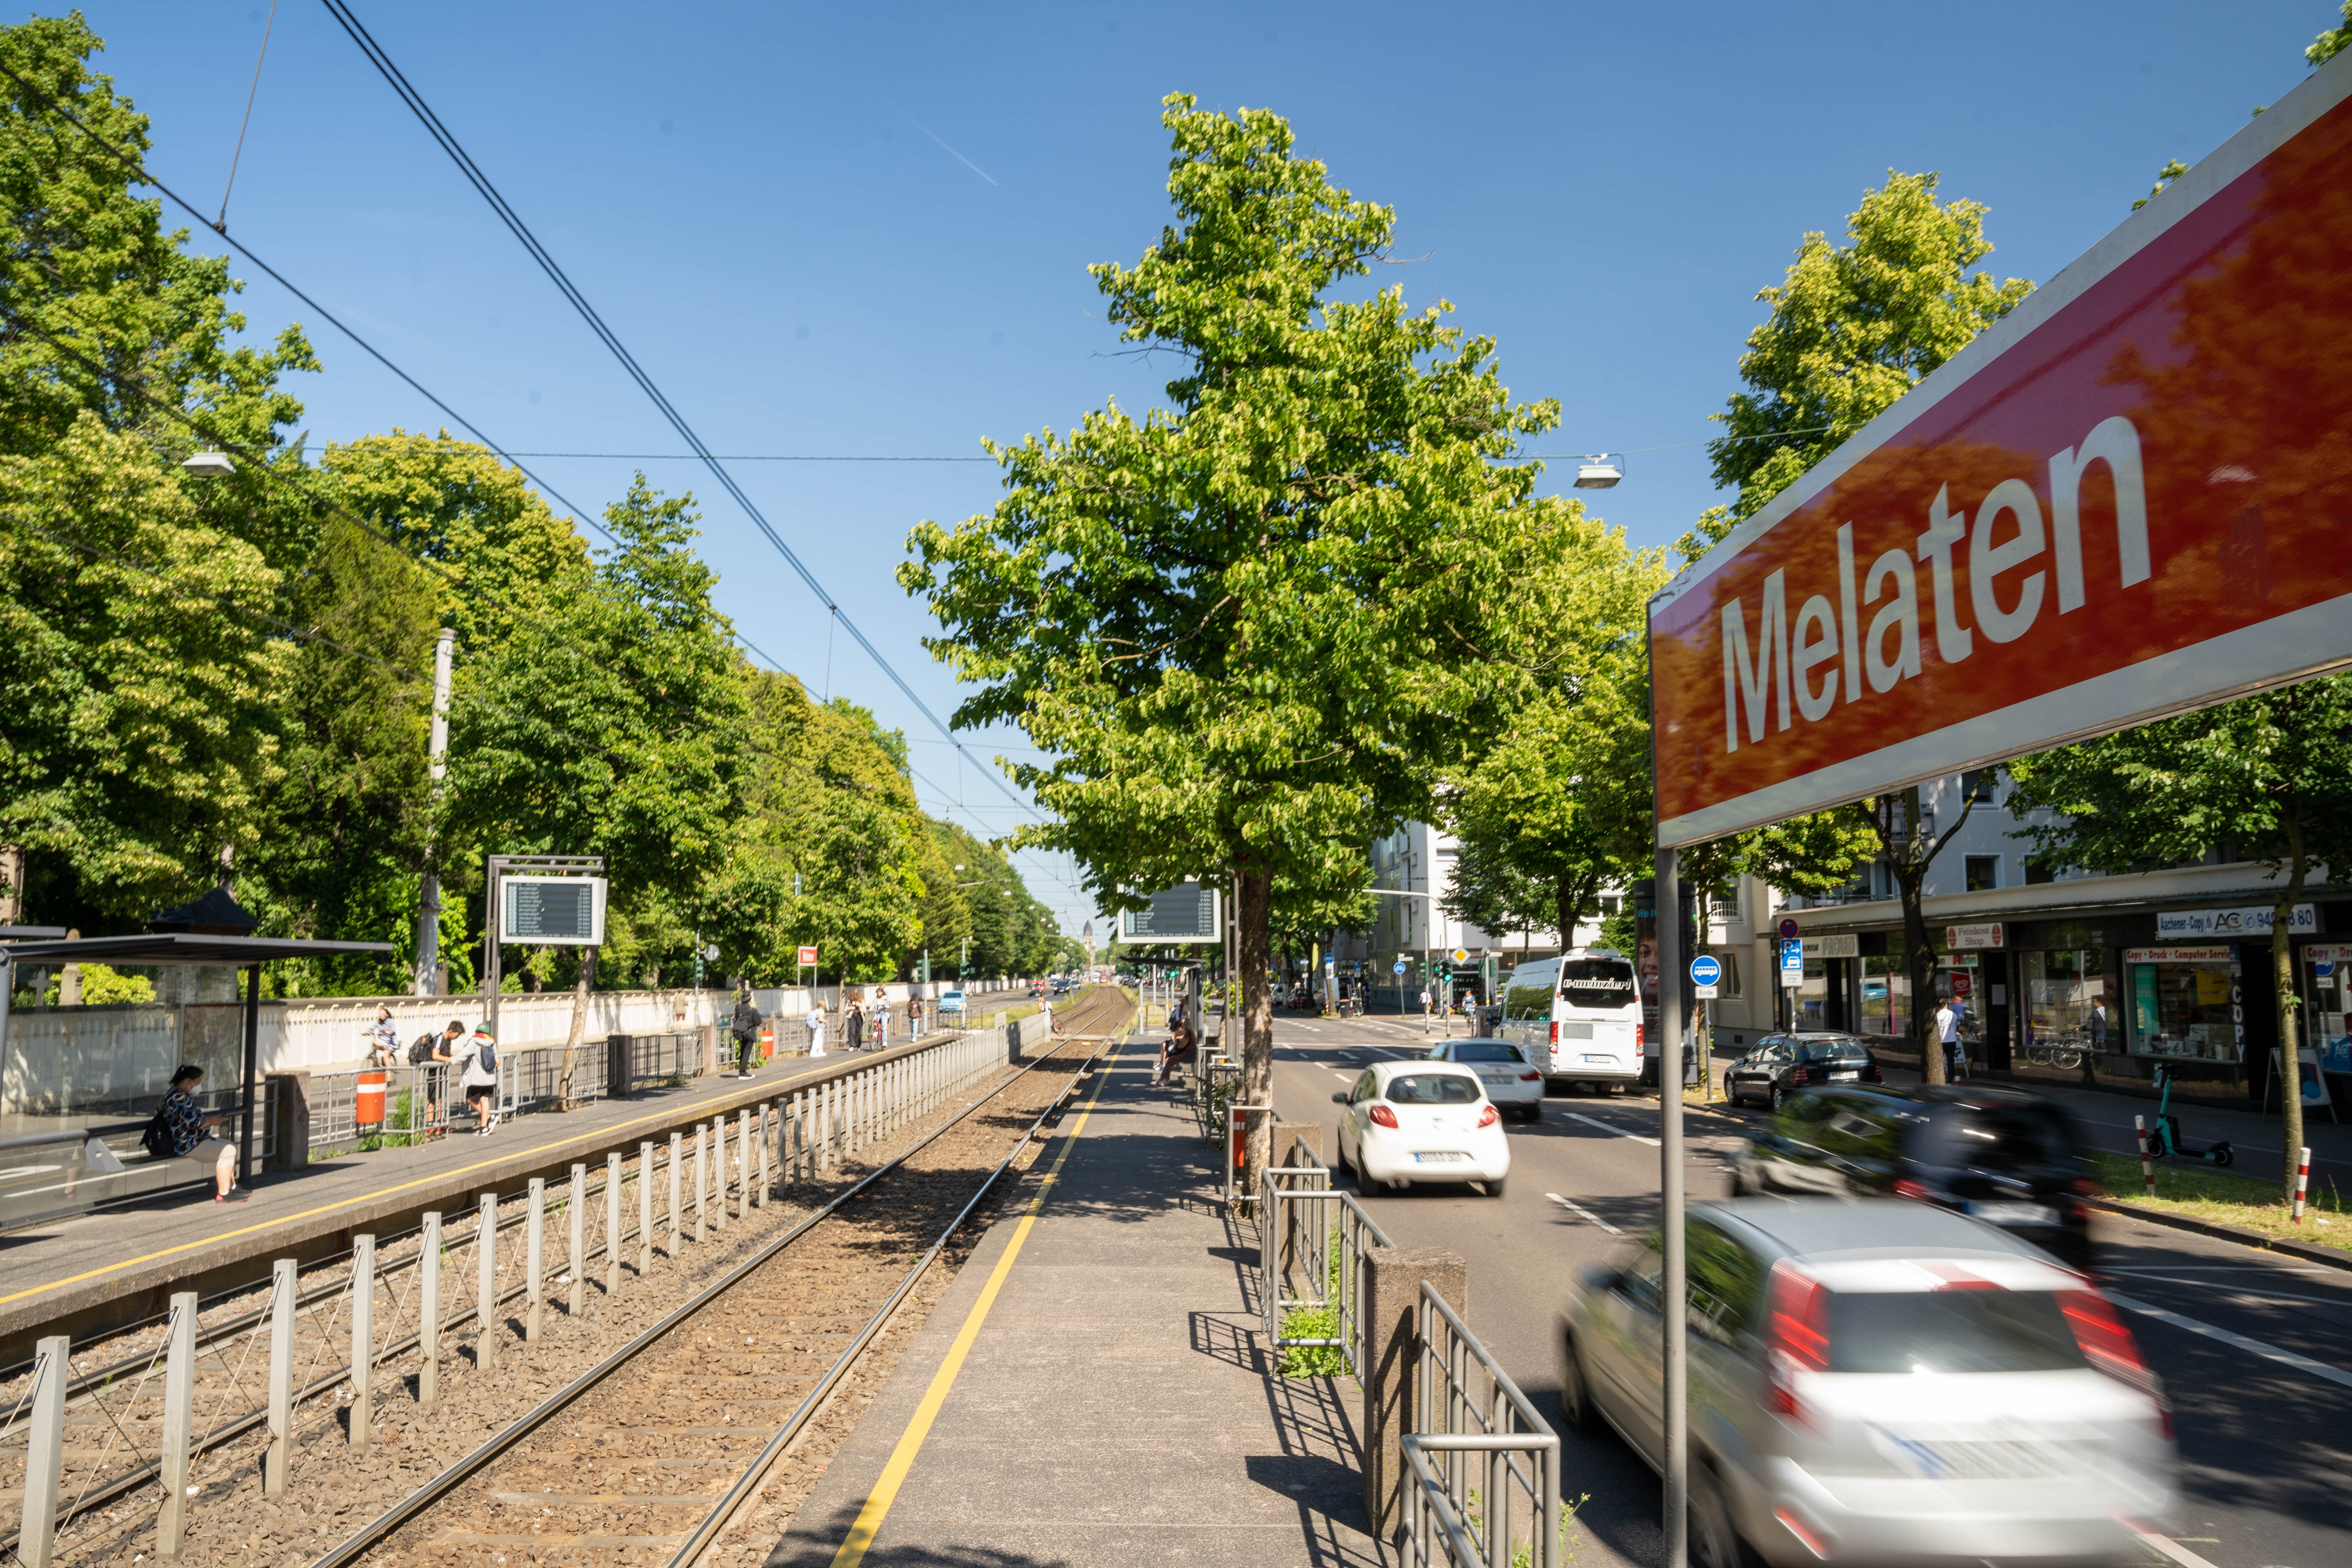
(1609,903)
(2039,871)
(1977,785)
(1730,983)
(1983,872)
(2187,1006)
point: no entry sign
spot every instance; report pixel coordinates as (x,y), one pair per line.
(2131,498)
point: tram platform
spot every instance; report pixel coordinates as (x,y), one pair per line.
(1090,1390)
(95,1270)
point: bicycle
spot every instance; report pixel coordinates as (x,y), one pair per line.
(2066,1057)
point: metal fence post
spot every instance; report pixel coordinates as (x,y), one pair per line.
(179,1403)
(765,1139)
(701,1180)
(744,1161)
(611,1225)
(281,1378)
(534,1257)
(677,1151)
(718,1172)
(428,1313)
(644,1208)
(44,1454)
(362,1338)
(486,1284)
(577,1295)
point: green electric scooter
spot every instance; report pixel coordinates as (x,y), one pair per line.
(2164,1139)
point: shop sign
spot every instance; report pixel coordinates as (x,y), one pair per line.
(2251,920)
(1957,937)
(2328,955)
(1845,946)
(2108,508)
(2181,955)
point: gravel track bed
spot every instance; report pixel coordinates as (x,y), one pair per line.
(639,1460)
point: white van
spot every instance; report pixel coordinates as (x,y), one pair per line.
(1579,1017)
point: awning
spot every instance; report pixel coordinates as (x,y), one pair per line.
(180,947)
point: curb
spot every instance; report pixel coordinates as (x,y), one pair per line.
(2309,1251)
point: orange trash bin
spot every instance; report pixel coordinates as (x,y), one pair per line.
(369,1112)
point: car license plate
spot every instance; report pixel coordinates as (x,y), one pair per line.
(2015,1213)
(1844,1075)
(1591,1058)
(1444,1157)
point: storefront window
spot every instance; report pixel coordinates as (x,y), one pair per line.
(1959,981)
(2331,999)
(2067,1000)
(2187,1002)
(1885,995)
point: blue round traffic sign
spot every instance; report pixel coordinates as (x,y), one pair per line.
(1706,969)
(1398,967)
(2324,967)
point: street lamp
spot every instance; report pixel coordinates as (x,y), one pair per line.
(210,466)
(1597,472)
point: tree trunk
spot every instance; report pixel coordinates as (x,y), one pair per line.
(1920,958)
(2288,1003)
(1258,1022)
(1569,903)
(12,885)
(579,1017)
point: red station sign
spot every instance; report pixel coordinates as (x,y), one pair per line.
(2131,498)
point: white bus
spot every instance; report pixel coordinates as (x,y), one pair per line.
(1579,1017)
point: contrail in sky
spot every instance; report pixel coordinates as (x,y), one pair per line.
(953,152)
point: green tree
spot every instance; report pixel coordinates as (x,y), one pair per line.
(1557,804)
(2268,778)
(613,723)
(2333,42)
(346,820)
(1853,327)
(1244,625)
(135,600)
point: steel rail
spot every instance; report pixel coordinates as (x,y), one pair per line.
(377,1531)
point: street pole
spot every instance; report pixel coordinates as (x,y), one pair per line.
(1669,1193)
(429,892)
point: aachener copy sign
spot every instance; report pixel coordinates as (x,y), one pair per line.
(2132,496)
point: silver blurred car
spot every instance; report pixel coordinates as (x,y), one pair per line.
(1880,1382)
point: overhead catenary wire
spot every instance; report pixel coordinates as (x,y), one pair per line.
(390,72)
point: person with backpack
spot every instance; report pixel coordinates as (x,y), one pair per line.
(745,1027)
(182,1130)
(431,1050)
(480,1081)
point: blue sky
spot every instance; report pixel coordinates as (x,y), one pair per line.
(863,230)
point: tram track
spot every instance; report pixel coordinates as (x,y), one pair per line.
(666,1433)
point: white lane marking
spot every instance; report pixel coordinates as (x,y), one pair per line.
(1619,1131)
(2172,1549)
(2252,1347)
(1586,1213)
(1295,1024)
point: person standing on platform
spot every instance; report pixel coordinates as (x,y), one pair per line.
(480,1081)
(745,1027)
(816,1022)
(852,1023)
(881,1018)
(1947,1032)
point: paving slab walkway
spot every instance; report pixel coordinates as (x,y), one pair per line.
(1091,1389)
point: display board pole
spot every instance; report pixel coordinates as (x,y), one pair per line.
(1671,1277)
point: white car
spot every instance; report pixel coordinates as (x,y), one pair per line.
(1511,1080)
(1422,1122)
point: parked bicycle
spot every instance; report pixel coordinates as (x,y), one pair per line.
(2065,1054)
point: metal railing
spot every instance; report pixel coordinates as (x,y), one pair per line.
(1311,1244)
(1482,1469)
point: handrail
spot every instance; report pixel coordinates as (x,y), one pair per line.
(1298,1251)
(1478,1507)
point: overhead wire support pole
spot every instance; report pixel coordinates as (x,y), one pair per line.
(341,11)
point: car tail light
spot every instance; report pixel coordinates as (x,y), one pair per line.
(2107,1344)
(1532,1077)
(1488,1117)
(1904,1187)
(1873,1074)
(1637,1035)
(1555,1034)
(1796,1337)
(1382,1116)
(1799,1075)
